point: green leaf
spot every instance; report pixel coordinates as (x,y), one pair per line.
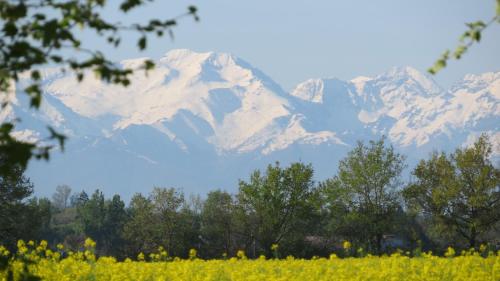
(130,4)
(142,43)
(35,75)
(36,95)
(476,35)
(193,11)
(460,51)
(148,65)
(10,29)
(56,59)
(57,136)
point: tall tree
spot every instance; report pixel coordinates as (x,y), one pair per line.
(140,229)
(167,203)
(114,222)
(276,203)
(460,191)
(91,215)
(364,193)
(15,188)
(217,224)
(60,198)
(187,234)
(36,223)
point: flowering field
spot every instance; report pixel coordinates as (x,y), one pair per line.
(38,261)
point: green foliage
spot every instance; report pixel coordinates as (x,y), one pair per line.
(139,230)
(276,204)
(459,191)
(278,212)
(36,33)
(104,221)
(161,219)
(467,39)
(15,188)
(218,225)
(363,199)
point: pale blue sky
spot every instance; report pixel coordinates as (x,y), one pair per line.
(295,40)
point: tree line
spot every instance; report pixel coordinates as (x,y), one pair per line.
(451,200)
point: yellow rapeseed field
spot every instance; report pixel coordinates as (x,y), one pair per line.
(46,264)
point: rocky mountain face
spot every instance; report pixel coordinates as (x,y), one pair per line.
(201,121)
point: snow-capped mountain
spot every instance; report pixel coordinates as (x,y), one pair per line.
(202,120)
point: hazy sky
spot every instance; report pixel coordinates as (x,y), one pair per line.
(295,40)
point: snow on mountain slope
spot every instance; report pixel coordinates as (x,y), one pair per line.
(207,119)
(411,108)
(221,98)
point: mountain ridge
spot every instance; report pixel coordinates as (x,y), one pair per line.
(212,117)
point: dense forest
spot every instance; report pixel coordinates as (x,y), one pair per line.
(451,200)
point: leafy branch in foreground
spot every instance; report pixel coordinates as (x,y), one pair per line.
(34,33)
(469,37)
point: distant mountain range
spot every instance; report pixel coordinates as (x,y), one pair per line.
(201,121)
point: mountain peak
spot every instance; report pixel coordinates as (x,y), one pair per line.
(184,56)
(403,70)
(187,56)
(488,77)
(179,53)
(406,75)
(310,90)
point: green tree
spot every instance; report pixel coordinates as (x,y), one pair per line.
(162,219)
(65,227)
(114,222)
(460,191)
(15,188)
(104,221)
(276,204)
(91,215)
(363,197)
(167,203)
(37,218)
(187,235)
(218,225)
(139,230)
(37,33)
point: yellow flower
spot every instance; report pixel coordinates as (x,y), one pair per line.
(450,252)
(192,253)
(482,248)
(346,245)
(274,247)
(82,265)
(3,251)
(241,254)
(89,243)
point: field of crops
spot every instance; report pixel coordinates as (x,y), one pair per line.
(39,261)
